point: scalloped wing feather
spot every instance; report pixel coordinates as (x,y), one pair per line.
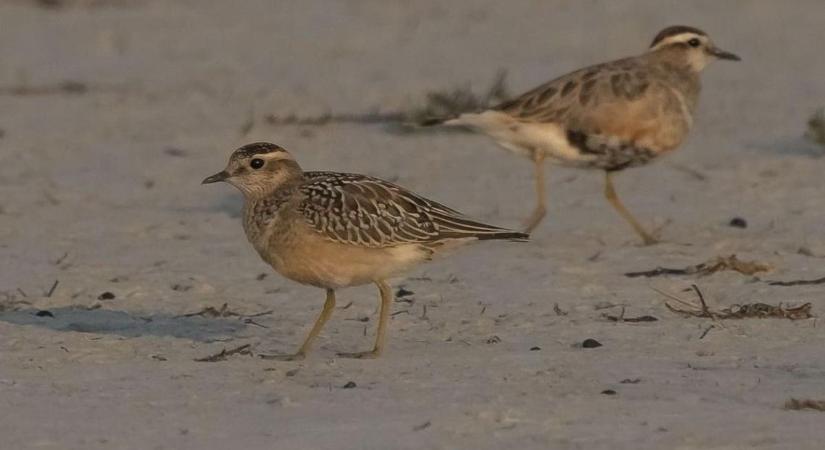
(369,212)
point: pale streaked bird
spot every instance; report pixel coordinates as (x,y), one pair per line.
(334,230)
(610,116)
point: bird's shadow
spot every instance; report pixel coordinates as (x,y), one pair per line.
(122,323)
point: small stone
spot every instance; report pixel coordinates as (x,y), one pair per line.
(535,349)
(349,385)
(609,392)
(591,343)
(106,296)
(44,313)
(74,87)
(738,222)
(175,151)
(181,287)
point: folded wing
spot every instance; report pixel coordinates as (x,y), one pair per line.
(361,210)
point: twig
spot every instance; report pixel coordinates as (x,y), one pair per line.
(61,259)
(705,309)
(421,426)
(52,289)
(252,322)
(689,170)
(659,271)
(745,311)
(717,264)
(621,318)
(797,282)
(223,354)
(223,311)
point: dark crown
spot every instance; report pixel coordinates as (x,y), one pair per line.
(673,31)
(257,148)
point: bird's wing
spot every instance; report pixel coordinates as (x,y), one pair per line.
(618,98)
(369,212)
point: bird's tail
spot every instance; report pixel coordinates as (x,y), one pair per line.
(508,235)
(461,227)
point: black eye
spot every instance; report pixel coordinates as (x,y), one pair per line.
(694,42)
(256,163)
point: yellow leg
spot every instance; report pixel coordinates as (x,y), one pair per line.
(383,318)
(610,193)
(541,209)
(329,306)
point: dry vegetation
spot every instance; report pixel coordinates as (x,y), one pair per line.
(816,127)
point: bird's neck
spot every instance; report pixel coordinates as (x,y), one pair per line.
(261,211)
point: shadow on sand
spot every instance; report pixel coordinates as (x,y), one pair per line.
(121,323)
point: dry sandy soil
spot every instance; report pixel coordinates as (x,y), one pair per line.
(113,112)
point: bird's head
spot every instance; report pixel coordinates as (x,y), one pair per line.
(257,169)
(691,45)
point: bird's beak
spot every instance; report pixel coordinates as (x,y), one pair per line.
(721,54)
(220,176)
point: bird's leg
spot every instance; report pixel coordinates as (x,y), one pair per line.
(329,306)
(610,193)
(383,318)
(541,208)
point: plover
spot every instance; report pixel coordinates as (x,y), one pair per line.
(334,230)
(610,116)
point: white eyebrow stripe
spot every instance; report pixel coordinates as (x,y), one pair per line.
(274,156)
(681,37)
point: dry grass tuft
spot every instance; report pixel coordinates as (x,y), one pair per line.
(816,127)
(449,103)
(744,311)
(797,404)
(714,265)
(438,105)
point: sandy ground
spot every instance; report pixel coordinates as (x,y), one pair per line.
(99,190)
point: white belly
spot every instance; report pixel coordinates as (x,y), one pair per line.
(524,137)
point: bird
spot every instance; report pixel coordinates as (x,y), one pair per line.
(334,230)
(611,116)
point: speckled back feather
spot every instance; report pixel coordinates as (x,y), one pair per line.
(370,212)
(623,113)
(576,99)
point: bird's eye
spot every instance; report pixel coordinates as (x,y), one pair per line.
(256,163)
(694,42)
